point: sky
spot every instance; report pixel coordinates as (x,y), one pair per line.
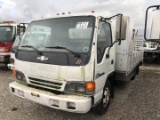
(28,10)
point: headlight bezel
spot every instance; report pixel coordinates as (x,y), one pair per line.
(80,88)
(20,77)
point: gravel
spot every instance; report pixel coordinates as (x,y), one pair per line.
(134,100)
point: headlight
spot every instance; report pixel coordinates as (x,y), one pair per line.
(20,77)
(87,88)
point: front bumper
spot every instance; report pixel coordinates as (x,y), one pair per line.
(70,103)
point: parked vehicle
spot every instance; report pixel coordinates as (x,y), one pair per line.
(152,33)
(151,51)
(150,46)
(7,37)
(8,32)
(20,30)
(12,53)
(71,62)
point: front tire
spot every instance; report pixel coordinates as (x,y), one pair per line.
(102,107)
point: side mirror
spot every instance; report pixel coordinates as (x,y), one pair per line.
(21,28)
(152,24)
(107,55)
(121,27)
(14,49)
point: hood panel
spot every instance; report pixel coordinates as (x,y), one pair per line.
(50,72)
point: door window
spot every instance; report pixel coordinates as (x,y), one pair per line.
(104,39)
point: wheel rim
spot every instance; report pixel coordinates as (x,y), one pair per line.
(106,97)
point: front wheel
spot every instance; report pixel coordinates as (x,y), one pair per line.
(102,107)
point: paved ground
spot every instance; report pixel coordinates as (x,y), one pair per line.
(135,100)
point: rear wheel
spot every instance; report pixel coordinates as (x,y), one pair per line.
(136,72)
(102,107)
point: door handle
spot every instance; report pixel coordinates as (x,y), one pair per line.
(112,61)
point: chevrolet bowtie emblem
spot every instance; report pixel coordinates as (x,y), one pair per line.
(42,58)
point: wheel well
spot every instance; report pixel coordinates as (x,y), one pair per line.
(111,79)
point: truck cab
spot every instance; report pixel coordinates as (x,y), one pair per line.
(70,62)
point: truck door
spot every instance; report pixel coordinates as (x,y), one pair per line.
(104,65)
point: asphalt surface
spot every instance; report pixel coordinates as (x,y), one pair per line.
(134,100)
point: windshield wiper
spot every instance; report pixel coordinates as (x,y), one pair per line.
(29,46)
(59,47)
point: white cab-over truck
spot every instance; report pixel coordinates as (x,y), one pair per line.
(70,62)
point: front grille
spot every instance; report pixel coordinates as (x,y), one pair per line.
(45,83)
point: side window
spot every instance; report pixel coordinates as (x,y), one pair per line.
(104,39)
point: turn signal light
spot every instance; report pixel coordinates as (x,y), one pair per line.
(90,86)
(14,73)
(4,50)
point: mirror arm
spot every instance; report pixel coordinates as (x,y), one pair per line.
(119,42)
(107,55)
(114,16)
(120,29)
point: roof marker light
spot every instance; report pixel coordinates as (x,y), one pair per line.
(7,22)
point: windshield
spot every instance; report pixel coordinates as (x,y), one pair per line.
(72,33)
(7,33)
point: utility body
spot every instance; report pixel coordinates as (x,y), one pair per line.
(71,62)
